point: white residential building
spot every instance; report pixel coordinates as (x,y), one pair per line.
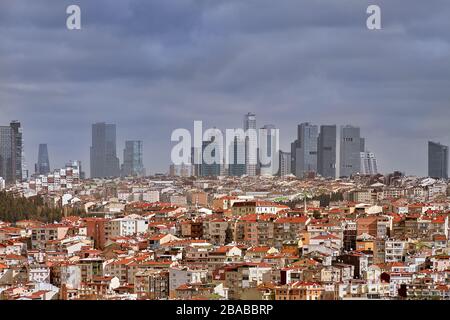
(395,250)
(121,227)
(183,275)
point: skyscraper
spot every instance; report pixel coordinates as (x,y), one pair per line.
(437,160)
(236,166)
(133,163)
(212,158)
(104,161)
(11,152)
(43,163)
(304,150)
(368,163)
(209,169)
(326,151)
(285,164)
(251,157)
(350,151)
(268,153)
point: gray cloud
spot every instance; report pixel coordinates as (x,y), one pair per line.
(153,66)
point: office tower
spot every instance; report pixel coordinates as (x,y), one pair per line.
(368,163)
(362,144)
(236,161)
(284,164)
(437,160)
(11,152)
(326,151)
(350,149)
(104,161)
(133,163)
(293,158)
(251,156)
(304,150)
(211,160)
(17,153)
(268,153)
(43,163)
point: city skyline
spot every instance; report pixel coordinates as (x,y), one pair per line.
(132,160)
(392,83)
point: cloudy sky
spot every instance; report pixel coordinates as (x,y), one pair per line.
(151,66)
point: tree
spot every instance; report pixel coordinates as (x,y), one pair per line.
(14,208)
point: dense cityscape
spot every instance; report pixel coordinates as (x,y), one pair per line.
(324,224)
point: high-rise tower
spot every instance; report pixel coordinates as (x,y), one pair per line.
(304,150)
(43,163)
(326,151)
(437,160)
(251,157)
(350,151)
(133,163)
(104,161)
(11,152)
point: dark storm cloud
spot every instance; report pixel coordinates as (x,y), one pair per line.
(153,66)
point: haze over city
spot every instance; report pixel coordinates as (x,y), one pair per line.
(152,67)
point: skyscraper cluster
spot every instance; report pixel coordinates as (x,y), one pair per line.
(318,152)
(104,161)
(324,150)
(243,152)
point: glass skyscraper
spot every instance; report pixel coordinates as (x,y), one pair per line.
(304,150)
(104,161)
(236,159)
(43,164)
(326,151)
(251,157)
(268,148)
(368,163)
(350,151)
(284,163)
(437,160)
(133,163)
(11,149)
(213,158)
